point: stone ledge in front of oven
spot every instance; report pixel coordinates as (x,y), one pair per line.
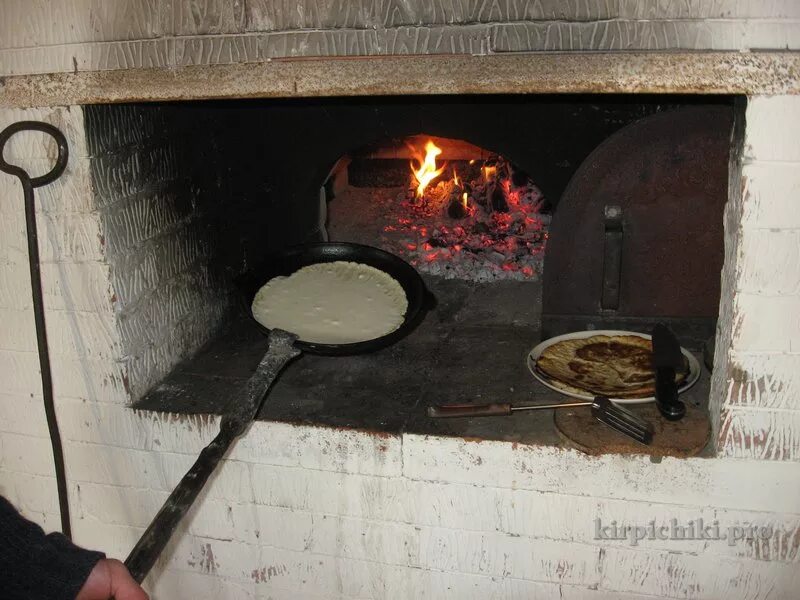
(470,348)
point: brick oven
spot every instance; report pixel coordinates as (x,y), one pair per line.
(205,135)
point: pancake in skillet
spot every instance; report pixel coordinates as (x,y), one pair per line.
(338,302)
(614,366)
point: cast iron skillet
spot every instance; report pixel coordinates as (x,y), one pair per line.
(292,259)
(283,348)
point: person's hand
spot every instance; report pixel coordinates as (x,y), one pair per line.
(110,579)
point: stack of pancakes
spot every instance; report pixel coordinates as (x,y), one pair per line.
(619,366)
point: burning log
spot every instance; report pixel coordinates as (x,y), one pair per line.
(480,228)
(456,209)
(498,199)
(499,230)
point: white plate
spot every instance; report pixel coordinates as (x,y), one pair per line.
(533,355)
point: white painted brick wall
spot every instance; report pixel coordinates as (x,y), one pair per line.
(91,35)
(760,413)
(330,513)
(76,290)
(299,511)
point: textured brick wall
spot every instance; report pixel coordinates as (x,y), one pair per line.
(86,35)
(185,200)
(325,513)
(78,296)
(156,197)
(760,411)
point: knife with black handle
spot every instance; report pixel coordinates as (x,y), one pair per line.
(667,361)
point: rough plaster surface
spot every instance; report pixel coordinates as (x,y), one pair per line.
(83,51)
(512,73)
(327,513)
(760,412)
(167,297)
(91,35)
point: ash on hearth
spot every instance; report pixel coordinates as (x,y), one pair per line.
(483,222)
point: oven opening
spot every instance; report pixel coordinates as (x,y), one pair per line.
(527,217)
(452,209)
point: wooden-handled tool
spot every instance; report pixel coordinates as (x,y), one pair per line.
(603,409)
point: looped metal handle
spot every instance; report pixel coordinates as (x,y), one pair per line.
(28,185)
(61,159)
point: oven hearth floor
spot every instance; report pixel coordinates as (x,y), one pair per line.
(470,348)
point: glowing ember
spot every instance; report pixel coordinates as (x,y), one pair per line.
(481,222)
(427,171)
(478,225)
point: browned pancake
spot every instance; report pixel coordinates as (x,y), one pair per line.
(614,366)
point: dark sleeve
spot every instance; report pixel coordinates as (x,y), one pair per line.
(35,565)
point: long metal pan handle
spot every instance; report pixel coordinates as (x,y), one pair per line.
(155,538)
(234,422)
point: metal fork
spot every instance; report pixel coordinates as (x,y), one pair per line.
(604,410)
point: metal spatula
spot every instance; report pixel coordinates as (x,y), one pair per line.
(604,410)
